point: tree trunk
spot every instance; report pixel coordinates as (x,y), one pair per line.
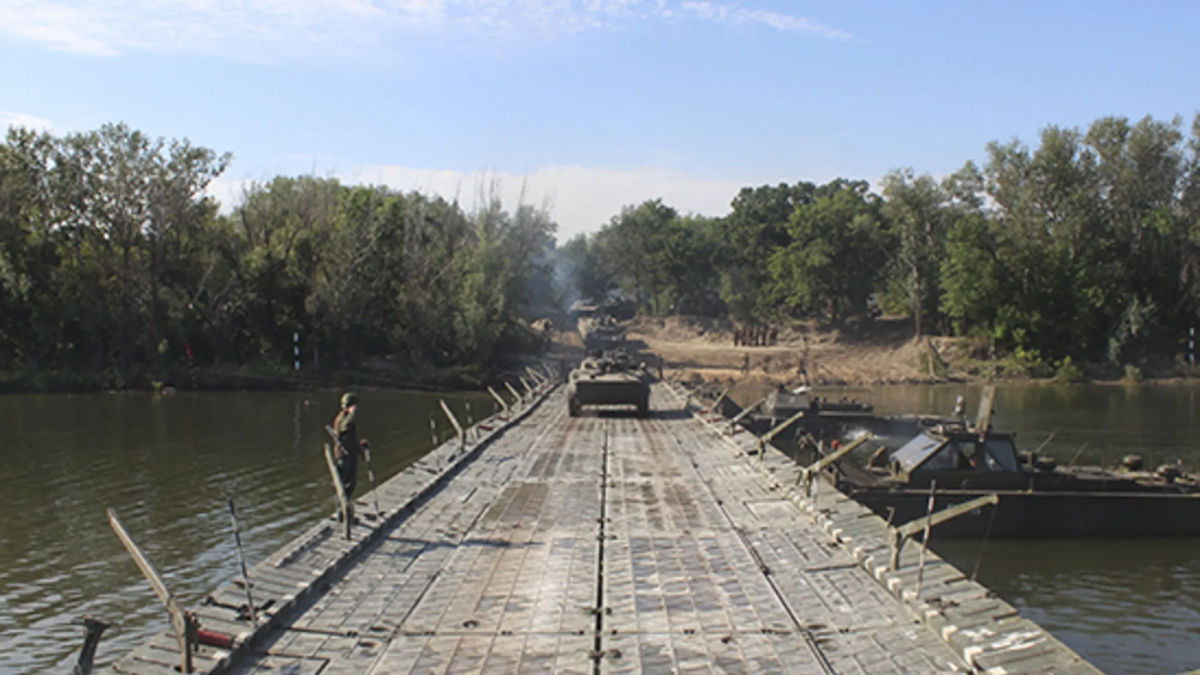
(917,300)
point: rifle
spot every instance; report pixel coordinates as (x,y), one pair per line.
(367,454)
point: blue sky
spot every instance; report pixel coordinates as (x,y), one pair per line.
(586,105)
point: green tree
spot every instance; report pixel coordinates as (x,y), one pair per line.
(835,256)
(756,228)
(916,210)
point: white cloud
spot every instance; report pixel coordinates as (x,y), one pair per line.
(16,119)
(273,29)
(580,199)
(228,191)
(724,13)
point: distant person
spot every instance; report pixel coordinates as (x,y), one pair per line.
(349,446)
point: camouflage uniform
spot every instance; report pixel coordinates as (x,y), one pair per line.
(349,447)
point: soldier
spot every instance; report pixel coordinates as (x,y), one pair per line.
(349,447)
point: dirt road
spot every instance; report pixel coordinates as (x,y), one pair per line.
(882,352)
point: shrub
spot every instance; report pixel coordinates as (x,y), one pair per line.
(1026,362)
(1066,371)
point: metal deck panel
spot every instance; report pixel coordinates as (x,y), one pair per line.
(598,544)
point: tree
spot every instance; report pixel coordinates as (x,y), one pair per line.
(756,228)
(835,256)
(916,210)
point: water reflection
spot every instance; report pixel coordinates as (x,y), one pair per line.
(1127,606)
(167,466)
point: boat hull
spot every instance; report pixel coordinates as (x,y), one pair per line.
(1022,514)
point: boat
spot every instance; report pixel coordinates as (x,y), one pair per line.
(957,462)
(813,417)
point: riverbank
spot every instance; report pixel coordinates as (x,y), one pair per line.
(882,351)
(248,377)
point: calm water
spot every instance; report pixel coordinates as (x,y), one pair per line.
(1130,606)
(166,465)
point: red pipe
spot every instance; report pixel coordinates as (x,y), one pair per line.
(214,639)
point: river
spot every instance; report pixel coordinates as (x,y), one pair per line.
(167,464)
(1128,606)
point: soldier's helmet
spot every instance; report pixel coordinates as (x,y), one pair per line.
(349,398)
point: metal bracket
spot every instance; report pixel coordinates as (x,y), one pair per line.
(900,533)
(512,390)
(745,413)
(499,399)
(810,471)
(537,377)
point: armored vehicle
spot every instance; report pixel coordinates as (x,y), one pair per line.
(609,379)
(601,332)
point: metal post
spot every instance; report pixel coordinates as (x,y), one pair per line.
(898,534)
(925,535)
(816,488)
(182,622)
(515,394)
(237,540)
(462,437)
(499,399)
(93,628)
(471,422)
(296,348)
(345,506)
(371,477)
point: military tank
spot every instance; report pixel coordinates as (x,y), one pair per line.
(609,379)
(601,333)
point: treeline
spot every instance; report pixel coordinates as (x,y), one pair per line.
(113,260)
(1087,246)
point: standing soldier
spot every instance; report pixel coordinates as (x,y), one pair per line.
(349,447)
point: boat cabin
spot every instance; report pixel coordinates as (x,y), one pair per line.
(929,452)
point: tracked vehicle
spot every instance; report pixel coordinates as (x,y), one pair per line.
(607,381)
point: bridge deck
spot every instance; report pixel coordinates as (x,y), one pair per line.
(607,544)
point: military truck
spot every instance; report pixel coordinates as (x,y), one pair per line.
(609,379)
